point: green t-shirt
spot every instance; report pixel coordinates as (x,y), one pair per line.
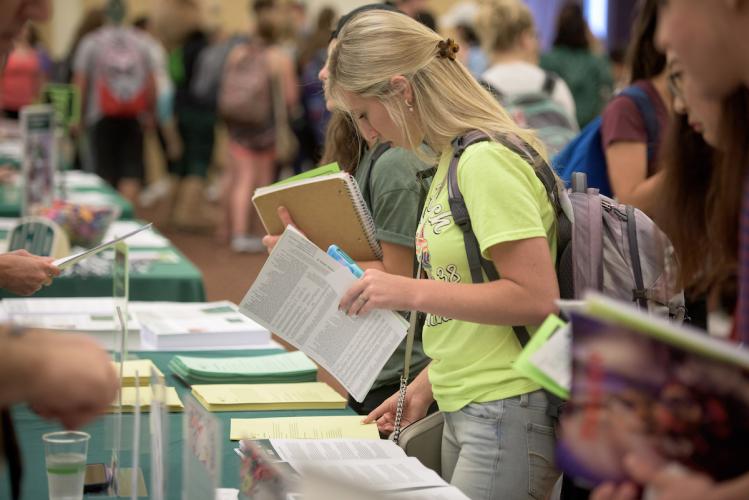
(587,75)
(394,191)
(473,362)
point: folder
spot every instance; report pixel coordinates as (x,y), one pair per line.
(264,397)
(328,209)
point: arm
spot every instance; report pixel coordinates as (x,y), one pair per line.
(627,168)
(524,295)
(396,259)
(47,364)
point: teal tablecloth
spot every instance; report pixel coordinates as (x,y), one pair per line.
(10,200)
(29,429)
(178,281)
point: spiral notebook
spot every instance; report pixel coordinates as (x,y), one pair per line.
(328,209)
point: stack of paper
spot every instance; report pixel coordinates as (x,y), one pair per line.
(145,395)
(250,397)
(328,427)
(274,368)
(140,367)
(199,324)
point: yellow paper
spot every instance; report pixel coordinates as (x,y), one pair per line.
(140,366)
(248,397)
(331,427)
(173,402)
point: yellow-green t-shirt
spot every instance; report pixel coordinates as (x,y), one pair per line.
(472,362)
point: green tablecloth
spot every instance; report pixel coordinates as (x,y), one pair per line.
(10,200)
(177,281)
(30,428)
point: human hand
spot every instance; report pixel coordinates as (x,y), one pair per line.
(418,399)
(24,274)
(72,380)
(662,482)
(378,290)
(270,240)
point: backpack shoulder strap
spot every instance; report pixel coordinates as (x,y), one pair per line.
(647,109)
(550,82)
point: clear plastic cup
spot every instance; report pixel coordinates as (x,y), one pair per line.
(65,456)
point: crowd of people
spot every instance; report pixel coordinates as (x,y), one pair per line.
(385,94)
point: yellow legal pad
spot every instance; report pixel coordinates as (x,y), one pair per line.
(173,402)
(140,366)
(249,397)
(330,427)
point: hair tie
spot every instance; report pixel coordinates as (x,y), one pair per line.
(447,49)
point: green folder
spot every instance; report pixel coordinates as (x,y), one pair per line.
(525,364)
(287,367)
(330,168)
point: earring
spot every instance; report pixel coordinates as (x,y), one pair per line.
(410,106)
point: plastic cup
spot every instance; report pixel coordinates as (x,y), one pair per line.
(65,456)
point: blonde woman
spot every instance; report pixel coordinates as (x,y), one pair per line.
(498,441)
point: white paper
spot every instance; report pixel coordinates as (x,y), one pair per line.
(378,475)
(296,296)
(554,357)
(296,451)
(72,259)
(80,179)
(93,198)
(444,493)
(148,238)
(227,494)
(72,305)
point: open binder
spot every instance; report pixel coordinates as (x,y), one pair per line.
(328,209)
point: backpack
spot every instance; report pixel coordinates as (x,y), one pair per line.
(585,153)
(540,112)
(246,96)
(206,81)
(123,76)
(602,245)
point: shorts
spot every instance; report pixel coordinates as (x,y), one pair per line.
(117,145)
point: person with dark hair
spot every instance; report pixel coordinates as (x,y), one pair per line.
(587,74)
(23,76)
(630,148)
(387,178)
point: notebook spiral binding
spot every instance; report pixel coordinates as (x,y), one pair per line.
(365,217)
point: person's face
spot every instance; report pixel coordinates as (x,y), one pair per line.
(700,34)
(703,113)
(14,14)
(323,76)
(373,120)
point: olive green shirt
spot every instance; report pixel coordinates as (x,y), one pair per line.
(392,195)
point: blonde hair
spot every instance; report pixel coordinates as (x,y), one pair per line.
(447,101)
(501,23)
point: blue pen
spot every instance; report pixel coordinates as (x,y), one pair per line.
(341,256)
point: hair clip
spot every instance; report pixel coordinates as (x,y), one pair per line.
(447,49)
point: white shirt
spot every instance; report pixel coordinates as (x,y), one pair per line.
(521,78)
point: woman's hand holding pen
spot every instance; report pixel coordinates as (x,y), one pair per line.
(379,290)
(270,240)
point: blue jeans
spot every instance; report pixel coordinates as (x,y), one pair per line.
(501,449)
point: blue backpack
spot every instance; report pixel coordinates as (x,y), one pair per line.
(585,153)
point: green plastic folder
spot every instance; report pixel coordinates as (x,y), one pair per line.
(330,168)
(285,367)
(526,364)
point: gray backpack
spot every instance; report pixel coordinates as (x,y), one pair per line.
(602,245)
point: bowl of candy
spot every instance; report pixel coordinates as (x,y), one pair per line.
(84,224)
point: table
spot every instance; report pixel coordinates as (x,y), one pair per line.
(10,199)
(30,428)
(175,279)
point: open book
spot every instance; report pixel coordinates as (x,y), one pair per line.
(643,385)
(329,209)
(296,296)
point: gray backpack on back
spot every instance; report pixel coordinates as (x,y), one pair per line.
(602,245)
